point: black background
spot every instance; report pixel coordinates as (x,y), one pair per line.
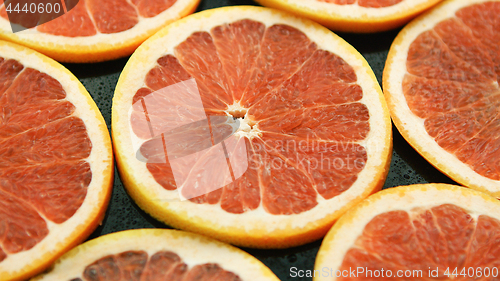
(407,166)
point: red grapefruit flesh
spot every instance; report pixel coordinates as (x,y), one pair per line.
(53,193)
(451,87)
(449,233)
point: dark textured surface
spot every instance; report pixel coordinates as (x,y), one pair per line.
(407,166)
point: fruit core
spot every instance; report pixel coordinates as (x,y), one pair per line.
(246,124)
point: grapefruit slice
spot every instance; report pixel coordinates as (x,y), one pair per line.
(95,31)
(157,254)
(314,135)
(441,82)
(359,16)
(418,232)
(56,167)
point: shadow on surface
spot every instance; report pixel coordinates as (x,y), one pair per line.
(410,156)
(90,70)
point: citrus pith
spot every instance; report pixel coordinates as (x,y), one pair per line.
(355,16)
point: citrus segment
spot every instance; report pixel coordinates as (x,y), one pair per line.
(41,187)
(10,69)
(170,72)
(157,254)
(74,24)
(429,57)
(466,122)
(243,194)
(25,226)
(208,72)
(348,122)
(43,88)
(311,86)
(486,234)
(285,189)
(94,31)
(444,92)
(292,98)
(50,143)
(429,96)
(334,173)
(459,39)
(284,49)
(149,9)
(360,16)
(481,151)
(393,232)
(482,19)
(39,114)
(55,166)
(112,16)
(307,106)
(247,36)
